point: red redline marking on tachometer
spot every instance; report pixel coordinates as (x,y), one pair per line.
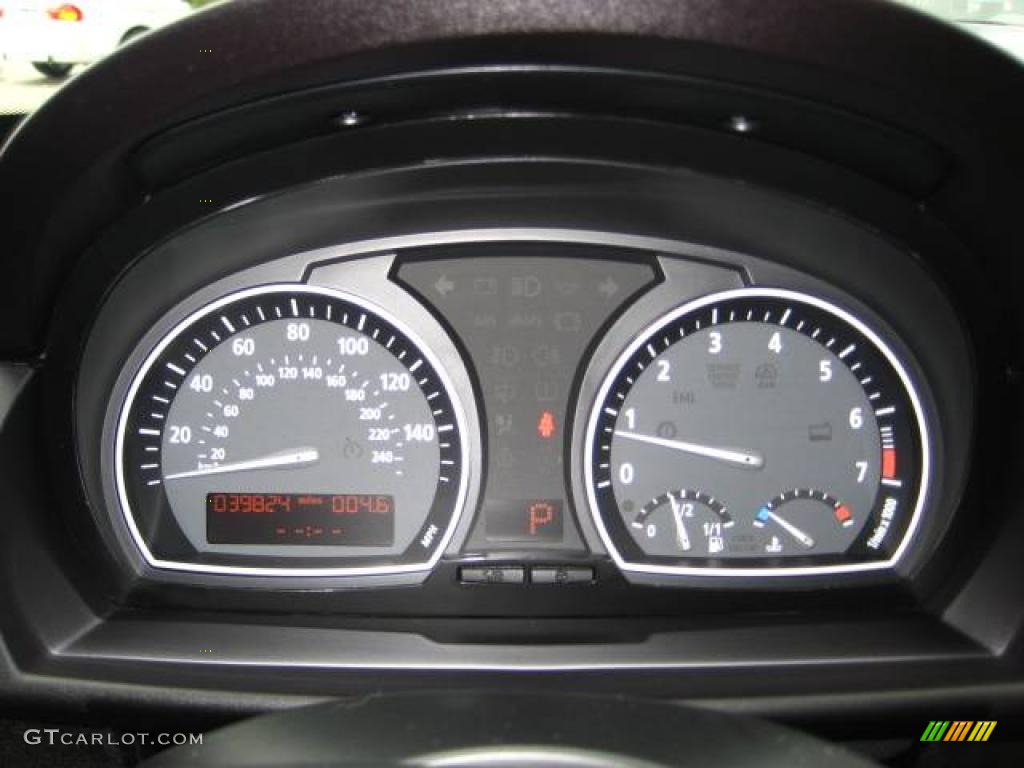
(888,463)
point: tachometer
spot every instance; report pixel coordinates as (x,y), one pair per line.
(291,430)
(757,432)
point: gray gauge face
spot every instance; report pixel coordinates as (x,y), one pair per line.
(756,430)
(725,411)
(291,424)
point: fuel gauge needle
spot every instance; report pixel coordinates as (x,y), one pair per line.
(677,514)
(294,457)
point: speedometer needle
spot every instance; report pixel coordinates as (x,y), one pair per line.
(295,457)
(747,459)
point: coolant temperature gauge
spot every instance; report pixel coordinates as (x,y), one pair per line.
(795,521)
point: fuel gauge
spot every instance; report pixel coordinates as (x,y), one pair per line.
(683,523)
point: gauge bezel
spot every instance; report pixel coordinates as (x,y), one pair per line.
(168,337)
(651,329)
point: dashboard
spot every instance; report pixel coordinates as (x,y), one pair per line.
(520,351)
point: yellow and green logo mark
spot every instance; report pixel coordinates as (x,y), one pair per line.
(958,730)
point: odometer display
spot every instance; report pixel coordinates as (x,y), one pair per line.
(300,518)
(757,431)
(247,414)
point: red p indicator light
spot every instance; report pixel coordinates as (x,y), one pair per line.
(541,513)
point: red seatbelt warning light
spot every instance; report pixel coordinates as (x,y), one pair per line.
(546,425)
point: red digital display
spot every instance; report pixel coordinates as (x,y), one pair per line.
(524,520)
(339,519)
(541,514)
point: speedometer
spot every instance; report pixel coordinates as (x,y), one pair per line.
(291,430)
(757,432)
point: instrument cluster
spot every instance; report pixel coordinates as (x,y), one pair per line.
(554,400)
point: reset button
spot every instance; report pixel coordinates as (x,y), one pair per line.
(562,575)
(495,574)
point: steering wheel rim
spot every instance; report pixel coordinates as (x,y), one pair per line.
(475,728)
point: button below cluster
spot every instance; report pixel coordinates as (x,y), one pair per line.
(517,574)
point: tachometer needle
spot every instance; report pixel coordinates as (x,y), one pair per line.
(677,514)
(295,457)
(791,529)
(747,459)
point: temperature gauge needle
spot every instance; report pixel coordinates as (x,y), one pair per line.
(295,457)
(748,459)
(792,530)
(677,515)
